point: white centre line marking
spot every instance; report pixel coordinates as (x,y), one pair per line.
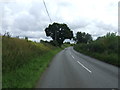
(72,56)
(84,67)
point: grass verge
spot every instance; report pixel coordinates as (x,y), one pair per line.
(27,75)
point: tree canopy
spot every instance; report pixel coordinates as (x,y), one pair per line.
(59,32)
(83,37)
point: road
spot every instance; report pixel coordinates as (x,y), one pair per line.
(70,69)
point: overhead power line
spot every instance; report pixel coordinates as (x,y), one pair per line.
(47,11)
(49,18)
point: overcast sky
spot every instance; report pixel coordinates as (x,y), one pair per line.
(29,18)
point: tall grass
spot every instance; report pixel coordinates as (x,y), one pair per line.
(23,61)
(28,75)
(17,52)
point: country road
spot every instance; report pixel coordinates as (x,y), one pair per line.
(70,69)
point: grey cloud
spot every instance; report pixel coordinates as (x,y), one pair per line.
(30,19)
(78,25)
(29,34)
(38,11)
(96,28)
(64,4)
(25,22)
(106,27)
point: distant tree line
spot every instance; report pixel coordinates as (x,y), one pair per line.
(82,37)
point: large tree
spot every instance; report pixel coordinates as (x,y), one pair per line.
(59,32)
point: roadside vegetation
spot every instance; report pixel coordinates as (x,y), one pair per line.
(23,61)
(104,48)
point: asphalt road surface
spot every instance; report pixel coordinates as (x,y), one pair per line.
(70,69)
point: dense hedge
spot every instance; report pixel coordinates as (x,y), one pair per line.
(105,48)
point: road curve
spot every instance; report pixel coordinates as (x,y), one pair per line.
(70,69)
